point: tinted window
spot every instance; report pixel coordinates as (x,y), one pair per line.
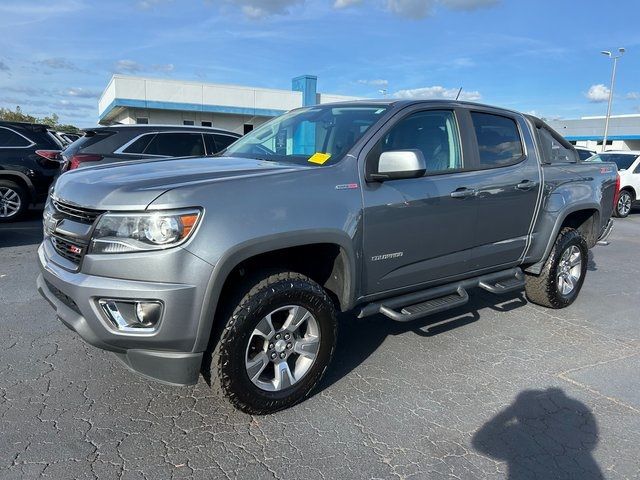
(552,150)
(9,138)
(622,160)
(142,120)
(498,139)
(140,144)
(210,143)
(584,154)
(223,141)
(176,145)
(205,124)
(434,133)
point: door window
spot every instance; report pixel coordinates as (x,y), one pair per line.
(9,138)
(498,138)
(176,145)
(432,132)
(223,141)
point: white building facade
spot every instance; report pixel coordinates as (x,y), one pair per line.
(130,100)
(623,134)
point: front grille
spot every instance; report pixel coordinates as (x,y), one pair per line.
(68,249)
(67,300)
(84,215)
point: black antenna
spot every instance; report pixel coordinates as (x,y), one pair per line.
(459,92)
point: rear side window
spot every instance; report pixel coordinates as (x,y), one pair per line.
(9,138)
(552,150)
(176,145)
(498,138)
(139,145)
(223,141)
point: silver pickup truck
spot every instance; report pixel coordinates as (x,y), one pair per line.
(235,266)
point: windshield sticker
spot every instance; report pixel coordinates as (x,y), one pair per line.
(319,158)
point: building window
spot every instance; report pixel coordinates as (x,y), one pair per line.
(247,128)
(187,122)
(609,142)
(142,120)
(206,124)
(573,142)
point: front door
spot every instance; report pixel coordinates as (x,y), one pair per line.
(422,229)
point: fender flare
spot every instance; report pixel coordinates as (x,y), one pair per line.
(261,245)
(536,268)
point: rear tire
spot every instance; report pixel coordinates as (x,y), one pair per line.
(260,373)
(14,201)
(624,204)
(562,275)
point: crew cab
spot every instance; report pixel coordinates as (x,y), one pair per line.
(235,265)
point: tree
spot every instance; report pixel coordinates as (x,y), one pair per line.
(52,120)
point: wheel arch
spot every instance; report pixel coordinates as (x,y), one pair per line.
(21,179)
(337,276)
(584,218)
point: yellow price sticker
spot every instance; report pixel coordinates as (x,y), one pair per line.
(319,158)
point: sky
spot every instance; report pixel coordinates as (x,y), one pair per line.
(541,57)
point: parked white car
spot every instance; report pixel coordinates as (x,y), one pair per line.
(629,168)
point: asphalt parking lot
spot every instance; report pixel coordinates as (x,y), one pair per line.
(496,389)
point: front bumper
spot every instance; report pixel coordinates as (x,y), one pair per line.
(165,354)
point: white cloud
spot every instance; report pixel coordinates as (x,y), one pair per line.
(468,4)
(376,82)
(345,3)
(165,67)
(633,95)
(264,8)
(598,93)
(80,92)
(4,67)
(424,8)
(58,63)
(436,92)
(127,66)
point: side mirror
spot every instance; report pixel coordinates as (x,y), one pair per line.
(399,164)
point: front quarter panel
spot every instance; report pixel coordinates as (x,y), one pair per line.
(247,216)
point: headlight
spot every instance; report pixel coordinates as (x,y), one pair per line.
(135,232)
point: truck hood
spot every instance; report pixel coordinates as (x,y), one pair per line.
(134,185)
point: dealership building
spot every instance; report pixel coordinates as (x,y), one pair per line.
(129,100)
(623,134)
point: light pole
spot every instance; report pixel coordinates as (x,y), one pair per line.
(613,80)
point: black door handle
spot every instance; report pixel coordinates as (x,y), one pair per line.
(526,185)
(463,192)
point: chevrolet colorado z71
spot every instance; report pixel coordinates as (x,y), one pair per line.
(377,207)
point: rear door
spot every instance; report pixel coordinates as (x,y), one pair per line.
(508,187)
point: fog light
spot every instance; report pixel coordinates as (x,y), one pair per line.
(132,316)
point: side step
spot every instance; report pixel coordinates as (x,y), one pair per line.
(417,305)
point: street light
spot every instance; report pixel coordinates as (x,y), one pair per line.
(613,79)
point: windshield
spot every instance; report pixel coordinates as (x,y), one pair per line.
(320,135)
(623,160)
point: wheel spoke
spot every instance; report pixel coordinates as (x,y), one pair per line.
(283,377)
(265,328)
(307,347)
(256,365)
(297,316)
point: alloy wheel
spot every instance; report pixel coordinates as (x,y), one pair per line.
(10,202)
(569,270)
(624,204)
(282,348)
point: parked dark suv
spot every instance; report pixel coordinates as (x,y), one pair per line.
(29,161)
(118,143)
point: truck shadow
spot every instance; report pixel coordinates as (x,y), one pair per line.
(542,434)
(359,338)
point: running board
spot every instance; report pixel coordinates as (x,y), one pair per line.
(412,306)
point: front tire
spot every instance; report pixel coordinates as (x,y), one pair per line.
(276,345)
(624,203)
(562,275)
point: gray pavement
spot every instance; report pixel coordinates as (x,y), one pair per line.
(499,388)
